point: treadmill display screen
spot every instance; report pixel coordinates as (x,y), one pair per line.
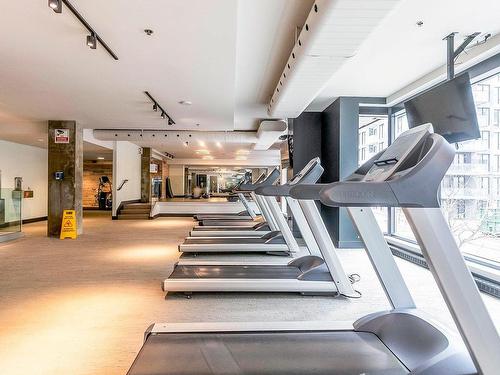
(450,109)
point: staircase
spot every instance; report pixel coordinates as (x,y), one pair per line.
(135,211)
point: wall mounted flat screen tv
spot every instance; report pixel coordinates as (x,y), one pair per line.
(450,109)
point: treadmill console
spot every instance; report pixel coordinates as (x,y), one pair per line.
(304,171)
(385,166)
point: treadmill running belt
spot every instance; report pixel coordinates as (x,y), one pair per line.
(235,241)
(208,229)
(281,271)
(277,353)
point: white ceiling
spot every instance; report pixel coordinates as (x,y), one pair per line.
(222,55)
(92,152)
(398,52)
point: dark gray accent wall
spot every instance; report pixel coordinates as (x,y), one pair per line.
(333,136)
(306,145)
(306,138)
(339,150)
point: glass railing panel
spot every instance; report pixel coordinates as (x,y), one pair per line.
(10,211)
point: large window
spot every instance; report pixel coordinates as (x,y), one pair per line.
(472,208)
(373,137)
(470,192)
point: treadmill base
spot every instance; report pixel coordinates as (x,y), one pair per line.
(249,353)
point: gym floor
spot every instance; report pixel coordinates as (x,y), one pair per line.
(81,307)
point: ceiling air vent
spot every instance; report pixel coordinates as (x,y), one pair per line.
(332,33)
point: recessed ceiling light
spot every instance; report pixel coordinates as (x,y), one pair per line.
(185,102)
(201,143)
(218,144)
(148,31)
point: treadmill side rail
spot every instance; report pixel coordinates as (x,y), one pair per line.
(457,286)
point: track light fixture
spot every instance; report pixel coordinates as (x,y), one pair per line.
(92,41)
(93,38)
(56,5)
(156,106)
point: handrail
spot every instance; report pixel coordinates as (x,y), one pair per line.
(121,185)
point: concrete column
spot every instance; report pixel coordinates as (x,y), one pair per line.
(145,175)
(65,194)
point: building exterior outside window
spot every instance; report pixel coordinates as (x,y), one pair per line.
(470,192)
(373,137)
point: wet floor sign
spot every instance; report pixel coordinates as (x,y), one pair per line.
(68,225)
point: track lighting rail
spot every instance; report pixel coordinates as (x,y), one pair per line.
(56,5)
(156,106)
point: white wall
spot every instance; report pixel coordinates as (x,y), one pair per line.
(126,166)
(30,163)
(176,174)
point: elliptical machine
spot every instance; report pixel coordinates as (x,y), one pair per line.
(104,195)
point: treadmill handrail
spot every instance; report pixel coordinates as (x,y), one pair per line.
(307,191)
(311,175)
(398,191)
(271,179)
(274,191)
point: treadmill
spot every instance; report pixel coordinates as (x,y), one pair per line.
(279,242)
(401,340)
(319,273)
(240,228)
(242,221)
(248,213)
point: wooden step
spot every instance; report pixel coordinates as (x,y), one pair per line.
(137,205)
(135,211)
(133,216)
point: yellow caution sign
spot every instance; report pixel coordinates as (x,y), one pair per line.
(68,225)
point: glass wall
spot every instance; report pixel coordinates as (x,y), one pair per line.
(373,136)
(470,191)
(10,212)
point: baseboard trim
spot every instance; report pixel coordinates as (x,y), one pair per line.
(170,215)
(34,219)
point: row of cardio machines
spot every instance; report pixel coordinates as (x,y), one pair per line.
(264,256)
(402,340)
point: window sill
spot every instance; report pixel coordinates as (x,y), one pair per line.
(485,272)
